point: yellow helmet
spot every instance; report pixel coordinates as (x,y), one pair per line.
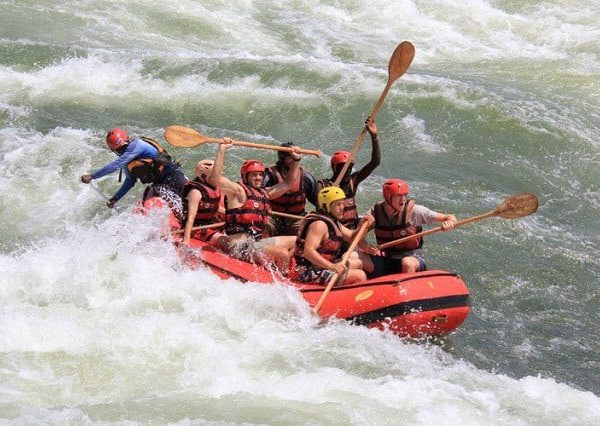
(328,195)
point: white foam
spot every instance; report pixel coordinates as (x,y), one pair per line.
(98,314)
(421,138)
(116,297)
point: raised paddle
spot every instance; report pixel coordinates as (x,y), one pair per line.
(364,228)
(514,207)
(187,137)
(399,62)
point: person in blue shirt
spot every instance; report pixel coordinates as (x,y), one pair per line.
(146,160)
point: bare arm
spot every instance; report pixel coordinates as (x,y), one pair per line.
(193,197)
(290,182)
(317,231)
(448,220)
(293,177)
(231,189)
(363,173)
(278,190)
(349,234)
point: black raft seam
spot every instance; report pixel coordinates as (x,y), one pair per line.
(410,307)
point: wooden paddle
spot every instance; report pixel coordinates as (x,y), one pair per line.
(195,228)
(514,207)
(364,228)
(399,62)
(187,137)
(290,216)
(219,224)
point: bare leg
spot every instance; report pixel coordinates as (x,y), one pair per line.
(278,255)
(362,261)
(221,242)
(410,264)
(354,276)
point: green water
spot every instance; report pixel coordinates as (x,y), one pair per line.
(502,97)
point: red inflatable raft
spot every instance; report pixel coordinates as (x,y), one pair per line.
(428,303)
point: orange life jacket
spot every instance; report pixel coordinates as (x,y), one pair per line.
(330,247)
(149,170)
(252,216)
(393,228)
(292,202)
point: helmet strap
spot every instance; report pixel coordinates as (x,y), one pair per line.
(121,150)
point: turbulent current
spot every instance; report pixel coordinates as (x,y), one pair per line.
(100,322)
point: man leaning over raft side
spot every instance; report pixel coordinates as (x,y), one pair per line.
(146,160)
(247,210)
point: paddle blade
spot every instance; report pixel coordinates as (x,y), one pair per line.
(401,59)
(519,205)
(185,137)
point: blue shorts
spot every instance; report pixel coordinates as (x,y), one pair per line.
(385,265)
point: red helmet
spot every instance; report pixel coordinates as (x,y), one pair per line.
(338,158)
(251,166)
(393,187)
(116,139)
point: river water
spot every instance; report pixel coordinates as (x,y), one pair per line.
(101,323)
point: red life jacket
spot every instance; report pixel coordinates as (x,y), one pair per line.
(252,216)
(209,204)
(389,229)
(350,216)
(330,247)
(292,202)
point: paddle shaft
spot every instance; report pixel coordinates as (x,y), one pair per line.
(361,137)
(95,188)
(290,216)
(364,228)
(196,228)
(395,71)
(437,230)
(219,224)
(265,146)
